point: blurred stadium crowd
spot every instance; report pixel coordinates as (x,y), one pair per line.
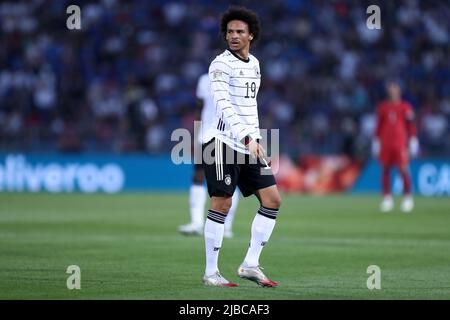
(127,79)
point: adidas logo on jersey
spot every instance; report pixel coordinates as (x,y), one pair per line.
(241,73)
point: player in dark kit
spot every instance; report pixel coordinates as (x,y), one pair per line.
(235,79)
(395,141)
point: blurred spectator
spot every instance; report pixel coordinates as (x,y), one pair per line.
(435,135)
(127,79)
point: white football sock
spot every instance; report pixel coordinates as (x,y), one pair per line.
(232,211)
(214,228)
(197,199)
(262,228)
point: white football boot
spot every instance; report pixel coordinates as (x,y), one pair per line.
(256,275)
(228,234)
(217,280)
(191,229)
(387,204)
(407,204)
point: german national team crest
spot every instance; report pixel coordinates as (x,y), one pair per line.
(227,179)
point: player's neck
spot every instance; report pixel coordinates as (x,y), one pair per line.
(241,54)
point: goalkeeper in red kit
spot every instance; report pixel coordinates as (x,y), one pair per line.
(394,143)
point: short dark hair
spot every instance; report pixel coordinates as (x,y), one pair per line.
(242,14)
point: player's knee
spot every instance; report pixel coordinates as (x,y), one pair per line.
(273,202)
(197,179)
(276,201)
(226,205)
(404,170)
(222,205)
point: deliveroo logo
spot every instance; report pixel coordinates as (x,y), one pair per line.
(16,174)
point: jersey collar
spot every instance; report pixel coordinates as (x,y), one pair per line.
(234,54)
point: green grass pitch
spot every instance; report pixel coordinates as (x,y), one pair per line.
(127,247)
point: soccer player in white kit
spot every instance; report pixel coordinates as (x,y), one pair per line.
(232,155)
(197,192)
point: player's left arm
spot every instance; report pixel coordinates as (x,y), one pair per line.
(198,109)
(410,118)
(376,144)
(202,93)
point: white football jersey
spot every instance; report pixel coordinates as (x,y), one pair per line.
(234,86)
(208,112)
